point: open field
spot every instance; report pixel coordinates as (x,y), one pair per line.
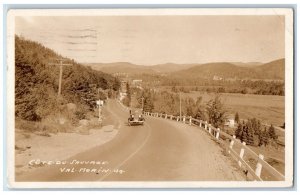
(268,108)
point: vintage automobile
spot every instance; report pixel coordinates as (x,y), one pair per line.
(136,117)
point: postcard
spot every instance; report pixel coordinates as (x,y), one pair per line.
(150,98)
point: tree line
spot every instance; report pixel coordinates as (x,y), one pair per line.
(252,132)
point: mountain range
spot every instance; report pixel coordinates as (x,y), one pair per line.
(252,70)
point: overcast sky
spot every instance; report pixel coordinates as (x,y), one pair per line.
(149,40)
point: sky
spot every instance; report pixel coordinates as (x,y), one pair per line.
(150,40)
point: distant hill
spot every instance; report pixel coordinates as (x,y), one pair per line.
(271,70)
(247,64)
(274,69)
(121,67)
(171,67)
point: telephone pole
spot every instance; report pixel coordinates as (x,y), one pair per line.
(142,103)
(180,105)
(60,64)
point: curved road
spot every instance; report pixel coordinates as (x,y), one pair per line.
(161,150)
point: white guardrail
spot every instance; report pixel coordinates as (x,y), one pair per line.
(216,133)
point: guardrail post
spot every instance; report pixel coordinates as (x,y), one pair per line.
(205,125)
(242,153)
(177,118)
(231,143)
(183,119)
(166,116)
(259,165)
(190,120)
(218,133)
(171,117)
(200,123)
(209,128)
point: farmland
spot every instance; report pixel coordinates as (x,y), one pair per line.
(268,108)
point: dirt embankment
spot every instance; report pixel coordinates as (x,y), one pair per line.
(60,146)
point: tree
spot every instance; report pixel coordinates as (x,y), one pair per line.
(239,131)
(264,138)
(237,118)
(144,97)
(272,133)
(250,134)
(200,110)
(216,112)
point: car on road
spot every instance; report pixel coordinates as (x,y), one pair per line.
(136,117)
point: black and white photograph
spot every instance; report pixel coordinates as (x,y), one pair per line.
(186,98)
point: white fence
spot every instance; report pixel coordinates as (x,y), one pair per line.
(216,133)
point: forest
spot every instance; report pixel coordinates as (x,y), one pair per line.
(36,83)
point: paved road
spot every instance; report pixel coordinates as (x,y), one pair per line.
(161,150)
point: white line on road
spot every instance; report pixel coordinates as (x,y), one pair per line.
(132,154)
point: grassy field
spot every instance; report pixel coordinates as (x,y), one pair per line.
(268,108)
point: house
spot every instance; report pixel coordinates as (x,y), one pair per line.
(230,123)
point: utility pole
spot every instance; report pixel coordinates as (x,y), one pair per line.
(143,103)
(180,105)
(60,64)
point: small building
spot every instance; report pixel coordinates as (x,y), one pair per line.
(230,123)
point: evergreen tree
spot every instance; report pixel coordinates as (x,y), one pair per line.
(244,135)
(264,138)
(239,131)
(250,134)
(272,133)
(237,118)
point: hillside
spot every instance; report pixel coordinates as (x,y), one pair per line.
(36,83)
(170,67)
(274,69)
(271,70)
(121,67)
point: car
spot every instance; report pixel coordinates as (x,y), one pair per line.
(136,117)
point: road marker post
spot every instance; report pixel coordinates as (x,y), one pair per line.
(205,125)
(190,120)
(209,128)
(218,133)
(177,118)
(183,119)
(242,153)
(259,165)
(231,143)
